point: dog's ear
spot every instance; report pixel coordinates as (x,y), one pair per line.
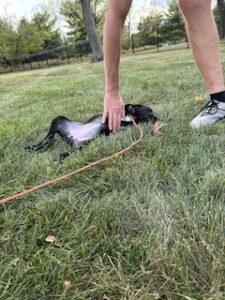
(130,109)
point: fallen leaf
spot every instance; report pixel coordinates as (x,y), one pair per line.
(48,169)
(198,99)
(51,239)
(67,283)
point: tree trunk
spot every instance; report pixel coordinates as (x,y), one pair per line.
(97,54)
(221,8)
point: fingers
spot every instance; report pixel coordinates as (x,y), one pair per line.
(110,121)
(118,122)
(123,113)
(114,109)
(114,122)
(104,116)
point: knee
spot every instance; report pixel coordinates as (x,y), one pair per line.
(189,6)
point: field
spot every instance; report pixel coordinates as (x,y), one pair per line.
(148,225)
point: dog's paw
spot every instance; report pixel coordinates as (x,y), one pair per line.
(28,148)
(156,130)
(63,156)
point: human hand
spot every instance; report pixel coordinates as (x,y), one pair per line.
(114,110)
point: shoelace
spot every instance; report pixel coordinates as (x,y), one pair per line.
(211,107)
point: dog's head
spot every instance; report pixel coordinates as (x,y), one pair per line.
(141,113)
(144,114)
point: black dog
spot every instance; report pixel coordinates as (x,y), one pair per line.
(78,134)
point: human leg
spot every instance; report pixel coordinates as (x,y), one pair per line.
(204,39)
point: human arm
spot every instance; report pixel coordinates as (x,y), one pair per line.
(116,14)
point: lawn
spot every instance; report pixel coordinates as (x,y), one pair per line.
(148,225)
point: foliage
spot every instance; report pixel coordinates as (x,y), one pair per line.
(158,27)
(72,11)
(14,43)
(149,29)
(98,9)
(126,38)
(28,38)
(173,28)
(45,25)
(7,39)
(219,13)
(80,17)
(216,15)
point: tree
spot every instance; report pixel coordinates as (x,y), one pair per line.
(149,29)
(97,54)
(17,42)
(73,14)
(221,18)
(126,38)
(7,39)
(173,28)
(28,39)
(79,15)
(45,25)
(98,10)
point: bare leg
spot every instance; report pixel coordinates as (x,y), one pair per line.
(204,40)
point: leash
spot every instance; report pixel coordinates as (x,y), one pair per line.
(80,170)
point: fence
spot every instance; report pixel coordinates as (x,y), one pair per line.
(57,56)
(79,51)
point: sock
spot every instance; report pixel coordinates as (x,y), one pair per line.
(218,96)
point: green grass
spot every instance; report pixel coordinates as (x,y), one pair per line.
(147,225)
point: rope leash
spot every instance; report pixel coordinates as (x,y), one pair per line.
(80,170)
